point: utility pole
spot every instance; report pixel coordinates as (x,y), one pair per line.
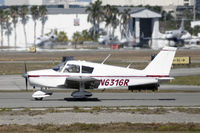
(194,11)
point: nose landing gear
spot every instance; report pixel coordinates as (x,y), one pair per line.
(39,95)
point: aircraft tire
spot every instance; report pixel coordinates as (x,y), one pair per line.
(39,99)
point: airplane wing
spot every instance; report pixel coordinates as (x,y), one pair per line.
(74,82)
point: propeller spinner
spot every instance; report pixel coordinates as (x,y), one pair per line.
(25,75)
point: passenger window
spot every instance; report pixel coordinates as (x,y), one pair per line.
(72,68)
(86,69)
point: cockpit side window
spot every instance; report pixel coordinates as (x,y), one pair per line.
(71,68)
(86,69)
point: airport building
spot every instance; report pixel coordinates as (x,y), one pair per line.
(144,23)
(167,5)
(50,3)
(148,2)
(198,6)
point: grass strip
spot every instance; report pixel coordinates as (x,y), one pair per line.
(100,109)
(186,80)
(104,128)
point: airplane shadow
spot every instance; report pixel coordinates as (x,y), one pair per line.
(159,99)
(70,99)
(82,99)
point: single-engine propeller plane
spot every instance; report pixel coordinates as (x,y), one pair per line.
(83,75)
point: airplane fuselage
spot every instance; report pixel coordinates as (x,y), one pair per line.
(108,76)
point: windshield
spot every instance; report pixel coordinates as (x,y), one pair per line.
(71,68)
(59,67)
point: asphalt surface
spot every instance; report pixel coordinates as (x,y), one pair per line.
(16,100)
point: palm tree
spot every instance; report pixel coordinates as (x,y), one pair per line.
(124,21)
(14,15)
(35,17)
(2,22)
(23,11)
(114,19)
(108,17)
(43,17)
(95,16)
(111,18)
(8,25)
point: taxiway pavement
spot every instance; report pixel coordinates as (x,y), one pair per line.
(24,99)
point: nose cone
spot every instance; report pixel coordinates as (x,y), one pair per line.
(25,75)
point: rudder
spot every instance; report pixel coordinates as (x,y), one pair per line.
(161,64)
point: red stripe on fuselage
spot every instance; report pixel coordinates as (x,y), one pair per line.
(48,75)
(159,76)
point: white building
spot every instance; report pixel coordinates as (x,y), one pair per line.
(22,2)
(195,23)
(145,23)
(64,3)
(148,2)
(60,19)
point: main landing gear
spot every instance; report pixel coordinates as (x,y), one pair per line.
(81,93)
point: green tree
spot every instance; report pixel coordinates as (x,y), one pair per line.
(35,17)
(62,37)
(114,20)
(111,14)
(8,25)
(76,38)
(23,11)
(2,21)
(187,14)
(14,15)
(95,16)
(166,16)
(153,8)
(108,17)
(43,17)
(86,36)
(125,18)
(196,30)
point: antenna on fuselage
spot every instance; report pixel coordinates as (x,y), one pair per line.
(106,59)
(129,65)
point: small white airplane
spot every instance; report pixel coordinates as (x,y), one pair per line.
(176,35)
(82,75)
(46,41)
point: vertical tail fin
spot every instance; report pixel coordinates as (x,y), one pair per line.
(182,25)
(161,64)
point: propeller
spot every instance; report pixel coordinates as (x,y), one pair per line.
(25,75)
